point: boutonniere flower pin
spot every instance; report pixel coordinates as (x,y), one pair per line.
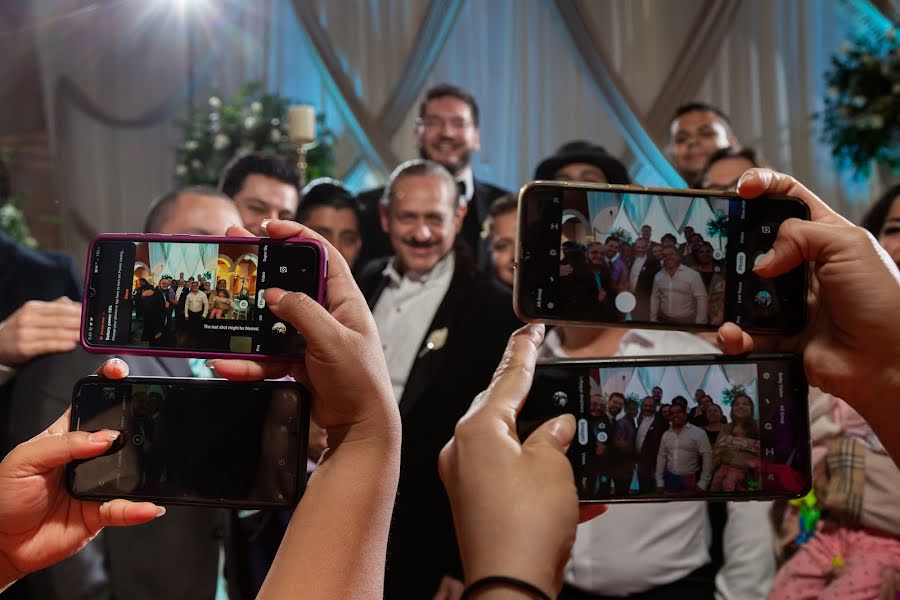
(436,340)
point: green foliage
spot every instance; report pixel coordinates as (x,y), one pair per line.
(728,395)
(252,121)
(717,227)
(861,119)
(633,396)
(620,233)
(12,218)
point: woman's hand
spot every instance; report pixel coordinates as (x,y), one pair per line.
(514,504)
(344,366)
(851,346)
(40,524)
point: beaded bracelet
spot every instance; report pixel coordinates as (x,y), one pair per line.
(501,580)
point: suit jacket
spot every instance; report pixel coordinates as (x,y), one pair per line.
(644,287)
(377,245)
(477,313)
(650,448)
(176,556)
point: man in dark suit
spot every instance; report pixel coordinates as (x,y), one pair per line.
(447,133)
(443,327)
(177,556)
(646,266)
(651,427)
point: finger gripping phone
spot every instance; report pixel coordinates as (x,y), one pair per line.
(196,296)
(197,442)
(685,428)
(654,258)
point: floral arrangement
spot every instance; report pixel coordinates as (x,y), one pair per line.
(861,120)
(620,233)
(728,395)
(12,219)
(251,121)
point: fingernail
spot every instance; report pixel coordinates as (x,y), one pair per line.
(212,364)
(160,511)
(764,261)
(720,340)
(747,175)
(103,437)
(265,223)
(274,295)
(560,425)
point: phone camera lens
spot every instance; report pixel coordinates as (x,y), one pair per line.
(92,292)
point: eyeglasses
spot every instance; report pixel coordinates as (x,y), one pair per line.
(456,123)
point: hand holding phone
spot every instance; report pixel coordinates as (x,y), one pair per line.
(344,366)
(514,505)
(39,523)
(851,346)
(600,254)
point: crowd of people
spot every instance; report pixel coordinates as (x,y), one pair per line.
(650,445)
(408,346)
(171,314)
(671,283)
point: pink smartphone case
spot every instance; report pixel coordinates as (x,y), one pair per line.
(156,237)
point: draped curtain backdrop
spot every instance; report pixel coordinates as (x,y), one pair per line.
(116,73)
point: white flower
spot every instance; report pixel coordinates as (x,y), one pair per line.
(858,101)
(275,135)
(877,121)
(8,212)
(181,170)
(196,164)
(256,107)
(275,122)
(221,141)
(249,123)
(436,340)
(896,88)
(845,48)
(833,93)
(191,145)
(215,102)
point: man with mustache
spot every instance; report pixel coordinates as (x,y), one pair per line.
(447,133)
(443,326)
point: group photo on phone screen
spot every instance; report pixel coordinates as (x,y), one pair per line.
(677,431)
(193,296)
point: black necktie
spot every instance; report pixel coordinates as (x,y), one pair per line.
(461,186)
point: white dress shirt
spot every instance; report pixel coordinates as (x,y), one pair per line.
(636,267)
(404,313)
(468,180)
(196,302)
(635,547)
(681,453)
(680,297)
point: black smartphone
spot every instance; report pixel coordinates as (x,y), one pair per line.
(687,428)
(196,296)
(198,442)
(653,258)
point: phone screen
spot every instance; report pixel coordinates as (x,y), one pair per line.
(199,297)
(744,434)
(654,258)
(193,442)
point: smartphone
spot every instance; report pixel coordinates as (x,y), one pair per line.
(195,296)
(636,442)
(198,442)
(590,254)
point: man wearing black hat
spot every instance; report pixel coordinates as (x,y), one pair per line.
(446,132)
(582,161)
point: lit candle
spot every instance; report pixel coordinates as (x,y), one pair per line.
(302,123)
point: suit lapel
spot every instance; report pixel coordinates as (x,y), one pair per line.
(429,361)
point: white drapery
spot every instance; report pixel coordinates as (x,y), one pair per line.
(116,76)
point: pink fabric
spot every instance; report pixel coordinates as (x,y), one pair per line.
(810,573)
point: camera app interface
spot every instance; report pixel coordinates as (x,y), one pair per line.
(229,443)
(677,431)
(195,296)
(607,256)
